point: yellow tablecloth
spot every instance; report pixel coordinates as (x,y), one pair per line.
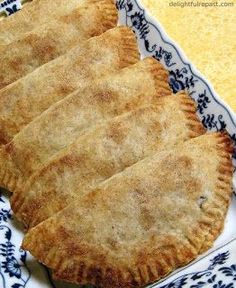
(208,37)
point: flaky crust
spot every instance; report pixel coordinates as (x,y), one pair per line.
(119,143)
(97,102)
(34,14)
(139,225)
(54,38)
(28,97)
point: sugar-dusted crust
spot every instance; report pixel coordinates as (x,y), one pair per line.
(74,115)
(142,223)
(34,14)
(128,89)
(55,38)
(97,57)
(119,143)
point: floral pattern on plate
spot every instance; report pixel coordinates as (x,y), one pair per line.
(218,270)
(9,7)
(213,112)
(17,268)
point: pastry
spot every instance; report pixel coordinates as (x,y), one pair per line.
(104,151)
(96,102)
(144,222)
(68,119)
(34,14)
(65,121)
(28,97)
(55,38)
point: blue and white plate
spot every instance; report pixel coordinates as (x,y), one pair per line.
(214,269)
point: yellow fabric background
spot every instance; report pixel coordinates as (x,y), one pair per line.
(208,37)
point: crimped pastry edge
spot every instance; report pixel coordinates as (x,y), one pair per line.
(181,99)
(189,107)
(110,277)
(8,179)
(130,55)
(18,201)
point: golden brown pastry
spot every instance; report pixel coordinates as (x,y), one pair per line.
(134,86)
(28,97)
(143,223)
(54,38)
(33,15)
(104,151)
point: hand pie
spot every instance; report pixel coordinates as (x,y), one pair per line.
(33,15)
(28,97)
(63,123)
(55,38)
(104,151)
(141,224)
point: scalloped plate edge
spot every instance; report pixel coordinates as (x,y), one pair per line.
(154,41)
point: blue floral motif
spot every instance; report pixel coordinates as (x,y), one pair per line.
(179,80)
(12,9)
(211,122)
(10,6)
(165,55)
(10,266)
(202,101)
(229,271)
(129,5)
(219,259)
(5,215)
(1,199)
(208,277)
(137,20)
(175,83)
(140,24)
(120,4)
(220,284)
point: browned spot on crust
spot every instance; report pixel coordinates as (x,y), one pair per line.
(46,50)
(16,64)
(156,126)
(3,139)
(104,96)
(193,185)
(146,219)
(117,132)
(65,89)
(31,39)
(31,210)
(81,269)
(95,273)
(43,48)
(9,148)
(71,160)
(184,162)
(112,243)
(71,18)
